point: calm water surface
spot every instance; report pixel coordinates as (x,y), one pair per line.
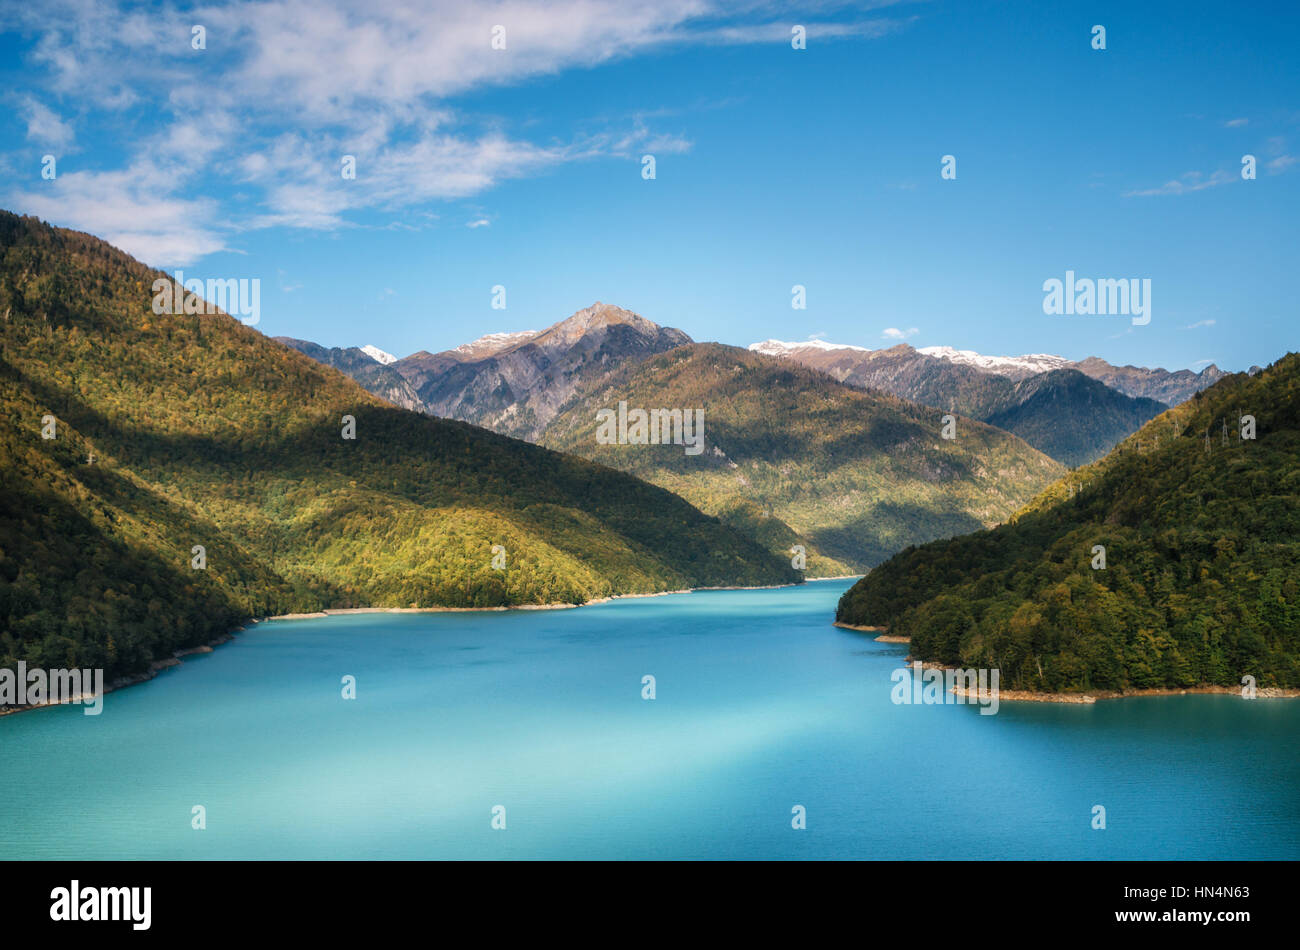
(761,705)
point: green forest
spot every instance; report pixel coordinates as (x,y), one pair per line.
(792,456)
(1200,528)
(173,431)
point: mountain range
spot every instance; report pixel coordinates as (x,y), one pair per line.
(516,382)
(546,386)
(839,482)
(1062,408)
(913,367)
(793,456)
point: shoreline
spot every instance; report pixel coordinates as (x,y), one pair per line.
(176,657)
(344,611)
(155,667)
(884,637)
(1090,697)
(1087,697)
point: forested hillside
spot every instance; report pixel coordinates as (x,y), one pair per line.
(793,456)
(1074,419)
(174,431)
(1201,584)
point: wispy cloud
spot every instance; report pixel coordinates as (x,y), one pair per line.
(141,209)
(373,81)
(1198,324)
(1188,183)
(894,333)
(45,128)
(1236,123)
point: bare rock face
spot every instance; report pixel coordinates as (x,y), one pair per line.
(905,372)
(489,344)
(357,362)
(972,383)
(516,382)
(1164,386)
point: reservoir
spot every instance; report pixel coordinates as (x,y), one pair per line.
(535,719)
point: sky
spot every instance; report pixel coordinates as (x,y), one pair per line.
(522,168)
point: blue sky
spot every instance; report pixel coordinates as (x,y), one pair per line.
(820,167)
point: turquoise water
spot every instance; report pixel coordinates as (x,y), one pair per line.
(761,705)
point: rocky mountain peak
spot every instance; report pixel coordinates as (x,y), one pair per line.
(600,316)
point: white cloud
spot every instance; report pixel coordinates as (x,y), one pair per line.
(136,209)
(44,127)
(1198,324)
(1236,123)
(1188,183)
(286,87)
(478,223)
(1281,163)
(893,333)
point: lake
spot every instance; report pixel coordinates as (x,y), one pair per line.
(760,706)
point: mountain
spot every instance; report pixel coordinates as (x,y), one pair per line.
(1012,367)
(1072,418)
(176,431)
(1200,530)
(792,456)
(514,383)
(490,343)
(904,372)
(849,361)
(378,355)
(1170,388)
(378,378)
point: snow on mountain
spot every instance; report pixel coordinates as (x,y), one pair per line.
(781,348)
(378,355)
(1027,364)
(491,343)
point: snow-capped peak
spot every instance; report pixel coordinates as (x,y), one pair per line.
(1027,364)
(378,355)
(781,348)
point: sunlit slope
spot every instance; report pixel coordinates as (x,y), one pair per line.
(1201,585)
(794,456)
(205,432)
